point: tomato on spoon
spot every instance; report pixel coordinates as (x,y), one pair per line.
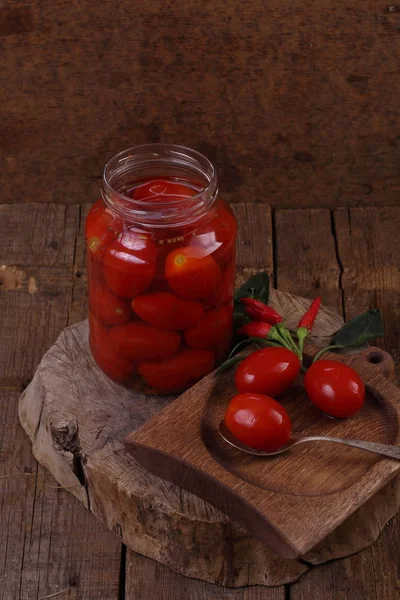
(258,421)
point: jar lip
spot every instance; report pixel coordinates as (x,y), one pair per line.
(152,148)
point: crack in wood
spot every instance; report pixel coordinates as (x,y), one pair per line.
(340,264)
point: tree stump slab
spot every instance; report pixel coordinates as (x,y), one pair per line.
(76,419)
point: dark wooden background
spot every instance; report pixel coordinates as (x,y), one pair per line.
(297,103)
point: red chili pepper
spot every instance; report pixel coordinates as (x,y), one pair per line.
(258,329)
(258,311)
(309,317)
(307,321)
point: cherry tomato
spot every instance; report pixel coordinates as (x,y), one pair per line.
(101,228)
(191,274)
(258,421)
(106,306)
(173,375)
(130,264)
(335,388)
(214,328)
(166,311)
(116,368)
(219,235)
(94,268)
(158,285)
(98,334)
(162,190)
(140,341)
(269,371)
(226,288)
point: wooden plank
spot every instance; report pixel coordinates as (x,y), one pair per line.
(149,580)
(254,243)
(78,307)
(368,245)
(40,550)
(369,575)
(39,235)
(348,579)
(17,495)
(30,321)
(305,255)
(316,123)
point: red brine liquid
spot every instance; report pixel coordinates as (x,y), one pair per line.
(161,299)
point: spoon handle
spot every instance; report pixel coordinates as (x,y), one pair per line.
(384,449)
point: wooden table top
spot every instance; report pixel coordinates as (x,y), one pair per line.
(50,546)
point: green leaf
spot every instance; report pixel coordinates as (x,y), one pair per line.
(239,319)
(360,330)
(255,287)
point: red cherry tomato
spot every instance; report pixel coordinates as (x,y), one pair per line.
(101,228)
(214,328)
(166,311)
(269,371)
(162,190)
(173,375)
(140,341)
(116,368)
(219,235)
(191,274)
(225,291)
(94,268)
(98,334)
(106,306)
(335,388)
(258,421)
(130,264)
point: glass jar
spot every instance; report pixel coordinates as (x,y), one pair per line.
(161,269)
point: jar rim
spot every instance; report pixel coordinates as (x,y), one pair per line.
(152,148)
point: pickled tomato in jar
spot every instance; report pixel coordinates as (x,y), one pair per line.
(161,270)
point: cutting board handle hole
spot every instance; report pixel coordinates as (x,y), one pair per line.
(375,358)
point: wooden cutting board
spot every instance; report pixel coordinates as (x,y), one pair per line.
(290,502)
(77,419)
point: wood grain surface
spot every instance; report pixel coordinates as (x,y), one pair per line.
(297,104)
(40,550)
(31,320)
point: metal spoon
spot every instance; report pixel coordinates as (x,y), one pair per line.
(384,449)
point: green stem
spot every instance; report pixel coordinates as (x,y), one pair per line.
(228,363)
(277,337)
(288,340)
(239,345)
(260,343)
(333,347)
(302,333)
(296,349)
